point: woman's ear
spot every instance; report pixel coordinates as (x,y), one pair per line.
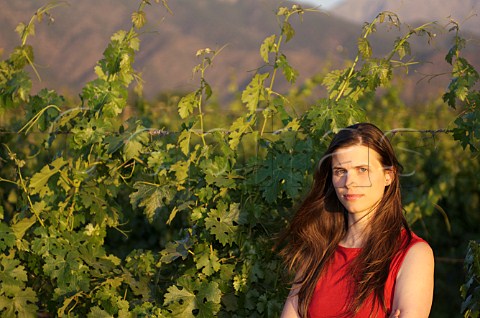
(389,175)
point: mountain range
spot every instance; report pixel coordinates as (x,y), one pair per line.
(465,12)
(67,49)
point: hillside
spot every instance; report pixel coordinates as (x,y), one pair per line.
(67,50)
(465,12)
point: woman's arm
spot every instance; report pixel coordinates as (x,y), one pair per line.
(414,284)
(290,309)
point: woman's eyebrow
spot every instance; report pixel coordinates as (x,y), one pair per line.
(341,165)
(362,165)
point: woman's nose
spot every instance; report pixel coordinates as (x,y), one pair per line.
(350,180)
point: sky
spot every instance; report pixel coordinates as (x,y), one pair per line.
(326,4)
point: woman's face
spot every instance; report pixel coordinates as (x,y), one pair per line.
(359,178)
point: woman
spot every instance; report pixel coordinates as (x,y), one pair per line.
(349,243)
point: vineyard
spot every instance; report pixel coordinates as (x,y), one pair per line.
(117,206)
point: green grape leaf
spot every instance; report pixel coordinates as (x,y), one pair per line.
(25,30)
(87,132)
(209,297)
(470,289)
(332,81)
(238,128)
(16,301)
(187,104)
(43,100)
(95,199)
(156,160)
(403,48)
(63,261)
(126,40)
(193,296)
(114,142)
(119,57)
(7,237)
(43,243)
(230,302)
(254,93)
(15,89)
(251,301)
(208,89)
(329,116)
(152,197)
(384,73)
(364,48)
(187,205)
(115,99)
(132,139)
(289,72)
(68,270)
(174,250)
(217,171)
(141,263)
(12,273)
(267,47)
(184,141)
(181,169)
(283,171)
(206,259)
(454,51)
(22,226)
(288,30)
(283,11)
(139,19)
(134,144)
(223,222)
(181,302)
(38,183)
(14,296)
(269,178)
(22,56)
(449,97)
(97,312)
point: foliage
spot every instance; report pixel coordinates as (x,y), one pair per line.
(439,194)
(462,90)
(107,217)
(471,289)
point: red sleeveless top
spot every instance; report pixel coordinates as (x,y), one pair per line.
(331,296)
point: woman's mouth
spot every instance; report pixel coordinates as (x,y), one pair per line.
(352,197)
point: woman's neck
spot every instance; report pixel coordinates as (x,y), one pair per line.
(357,229)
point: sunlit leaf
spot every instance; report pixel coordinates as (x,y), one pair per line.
(255,92)
(223,222)
(187,104)
(288,31)
(22,226)
(290,73)
(192,295)
(267,47)
(139,19)
(38,183)
(152,197)
(364,48)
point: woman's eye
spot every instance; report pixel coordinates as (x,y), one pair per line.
(339,172)
(362,169)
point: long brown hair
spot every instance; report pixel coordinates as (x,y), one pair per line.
(320,223)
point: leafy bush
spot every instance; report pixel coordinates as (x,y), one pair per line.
(107,217)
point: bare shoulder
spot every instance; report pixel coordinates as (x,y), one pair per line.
(414,284)
(419,254)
